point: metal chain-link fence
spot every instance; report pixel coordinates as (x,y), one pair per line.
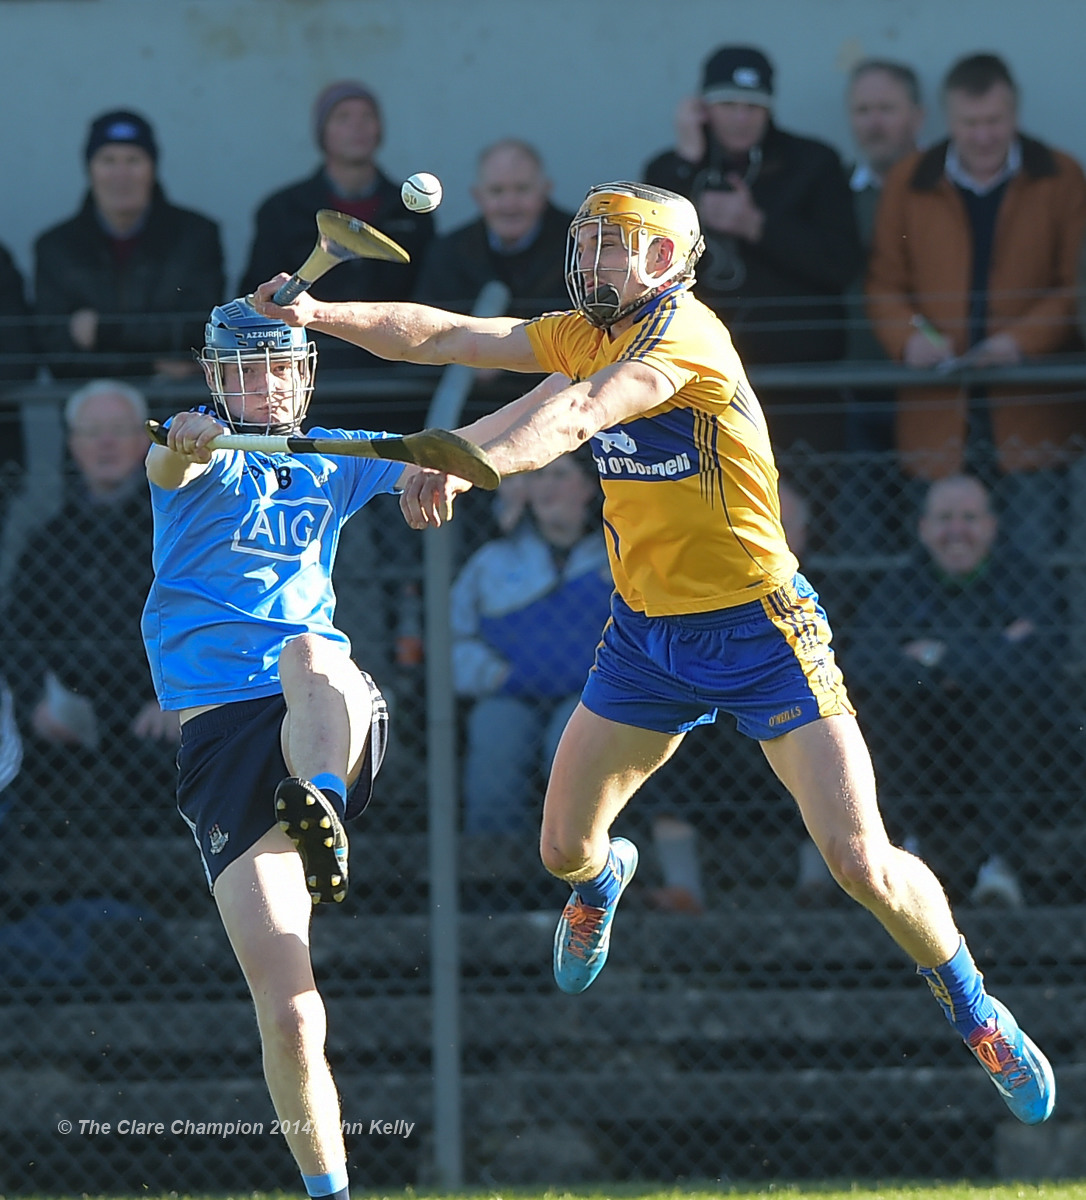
(750,1024)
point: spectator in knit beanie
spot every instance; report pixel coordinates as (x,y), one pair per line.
(348,128)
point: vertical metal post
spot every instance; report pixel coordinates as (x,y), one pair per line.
(444,900)
(442,786)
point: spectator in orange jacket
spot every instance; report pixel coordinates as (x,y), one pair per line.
(974,260)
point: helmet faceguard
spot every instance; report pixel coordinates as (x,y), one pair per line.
(260,371)
(641,215)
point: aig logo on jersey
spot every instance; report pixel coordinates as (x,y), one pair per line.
(282,529)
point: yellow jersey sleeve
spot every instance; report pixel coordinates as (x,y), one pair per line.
(561,339)
(690,486)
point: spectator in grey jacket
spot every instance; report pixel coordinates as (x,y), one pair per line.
(94,733)
(527,612)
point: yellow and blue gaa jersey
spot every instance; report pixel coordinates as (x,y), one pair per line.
(690,487)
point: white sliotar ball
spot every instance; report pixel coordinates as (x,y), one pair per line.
(422,192)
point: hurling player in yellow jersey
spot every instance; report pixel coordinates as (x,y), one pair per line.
(709,611)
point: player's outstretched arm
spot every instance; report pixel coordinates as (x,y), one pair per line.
(404,332)
(560,415)
(557,415)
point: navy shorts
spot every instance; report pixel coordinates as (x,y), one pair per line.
(230,763)
(767,663)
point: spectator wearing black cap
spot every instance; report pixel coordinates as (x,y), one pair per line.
(776,211)
(348,128)
(123,287)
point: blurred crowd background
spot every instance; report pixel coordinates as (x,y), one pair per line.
(894,207)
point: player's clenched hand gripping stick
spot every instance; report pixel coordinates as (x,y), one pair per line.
(436,449)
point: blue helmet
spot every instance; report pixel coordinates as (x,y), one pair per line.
(272,363)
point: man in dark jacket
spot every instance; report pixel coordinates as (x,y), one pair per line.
(519,238)
(124,286)
(348,128)
(957,659)
(780,235)
(16,351)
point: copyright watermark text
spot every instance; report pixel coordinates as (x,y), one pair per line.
(184,1127)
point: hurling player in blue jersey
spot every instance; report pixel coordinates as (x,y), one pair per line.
(281,733)
(709,614)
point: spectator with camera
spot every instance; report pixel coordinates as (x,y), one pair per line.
(781,244)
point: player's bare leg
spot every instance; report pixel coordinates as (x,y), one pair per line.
(598,766)
(266,910)
(324,738)
(827,768)
(327,726)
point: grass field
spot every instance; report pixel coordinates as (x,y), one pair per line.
(928,1190)
(709,1191)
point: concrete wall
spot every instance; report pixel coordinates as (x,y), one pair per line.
(228,83)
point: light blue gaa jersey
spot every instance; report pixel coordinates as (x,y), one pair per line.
(243,560)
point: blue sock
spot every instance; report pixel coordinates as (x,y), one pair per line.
(959,988)
(335,788)
(333,1185)
(602,891)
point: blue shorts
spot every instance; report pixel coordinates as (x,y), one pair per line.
(230,763)
(767,663)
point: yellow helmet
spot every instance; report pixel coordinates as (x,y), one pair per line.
(642,215)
